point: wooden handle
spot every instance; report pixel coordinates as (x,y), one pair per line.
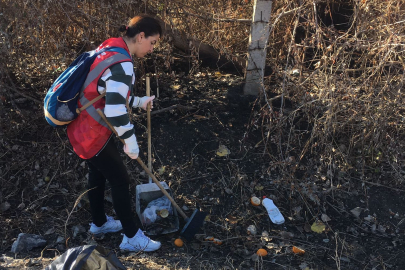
(149,125)
(109,125)
(147,170)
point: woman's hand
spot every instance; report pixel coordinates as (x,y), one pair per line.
(143,102)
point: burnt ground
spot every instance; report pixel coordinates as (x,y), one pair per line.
(42,183)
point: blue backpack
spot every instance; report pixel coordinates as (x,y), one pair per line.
(60,103)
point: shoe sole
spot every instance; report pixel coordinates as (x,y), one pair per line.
(101,233)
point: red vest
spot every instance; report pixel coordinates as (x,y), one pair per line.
(88,133)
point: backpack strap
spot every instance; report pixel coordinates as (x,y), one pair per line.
(121,55)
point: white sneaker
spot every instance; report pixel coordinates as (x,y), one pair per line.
(140,242)
(110,226)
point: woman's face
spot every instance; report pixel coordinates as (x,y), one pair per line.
(145,45)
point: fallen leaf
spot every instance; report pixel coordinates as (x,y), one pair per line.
(259,187)
(217,74)
(161,170)
(175,86)
(318,226)
(223,151)
(298,251)
(232,219)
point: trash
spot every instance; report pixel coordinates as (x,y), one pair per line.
(252,230)
(163,213)
(255,201)
(298,250)
(275,216)
(213,240)
(87,257)
(154,208)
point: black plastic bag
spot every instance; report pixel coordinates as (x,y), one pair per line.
(87,257)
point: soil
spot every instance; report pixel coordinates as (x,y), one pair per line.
(43,185)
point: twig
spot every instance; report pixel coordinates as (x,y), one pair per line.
(74,206)
(14,88)
(24,95)
(177,106)
(213,18)
(378,185)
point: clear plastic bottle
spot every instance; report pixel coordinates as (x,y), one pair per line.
(274,213)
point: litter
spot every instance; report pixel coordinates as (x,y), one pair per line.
(275,215)
(152,210)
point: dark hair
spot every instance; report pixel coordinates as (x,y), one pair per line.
(142,23)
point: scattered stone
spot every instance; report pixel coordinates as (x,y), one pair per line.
(4,207)
(60,239)
(77,230)
(21,206)
(50,231)
(26,242)
(356,211)
(369,218)
(325,218)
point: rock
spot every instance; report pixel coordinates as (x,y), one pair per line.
(77,230)
(60,239)
(356,211)
(26,242)
(4,207)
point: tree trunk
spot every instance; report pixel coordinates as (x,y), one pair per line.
(205,51)
(259,34)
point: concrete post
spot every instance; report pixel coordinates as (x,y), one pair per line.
(259,34)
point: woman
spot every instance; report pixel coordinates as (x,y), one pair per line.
(91,138)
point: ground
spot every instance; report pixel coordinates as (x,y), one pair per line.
(43,186)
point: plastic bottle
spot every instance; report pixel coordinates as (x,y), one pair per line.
(275,215)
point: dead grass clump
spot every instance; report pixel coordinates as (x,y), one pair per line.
(342,64)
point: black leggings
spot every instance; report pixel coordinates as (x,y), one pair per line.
(108,165)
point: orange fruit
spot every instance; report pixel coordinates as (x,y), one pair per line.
(255,201)
(178,242)
(261,252)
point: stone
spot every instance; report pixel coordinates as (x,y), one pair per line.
(78,229)
(26,242)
